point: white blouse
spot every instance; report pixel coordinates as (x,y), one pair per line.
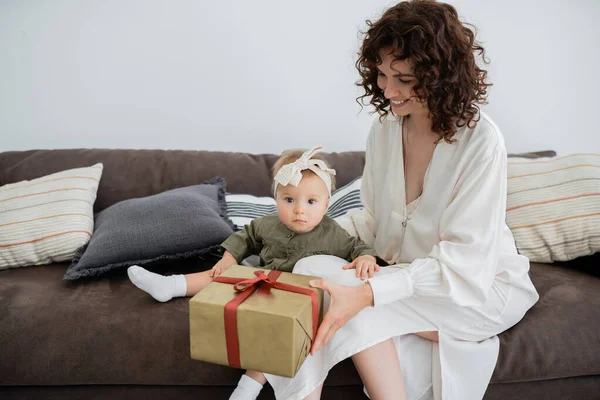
(456,241)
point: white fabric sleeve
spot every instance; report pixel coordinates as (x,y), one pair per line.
(461,268)
(361,223)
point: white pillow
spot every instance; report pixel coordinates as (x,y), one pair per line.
(553,206)
(243,208)
(47,219)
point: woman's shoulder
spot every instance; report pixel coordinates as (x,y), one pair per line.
(484,140)
(381,127)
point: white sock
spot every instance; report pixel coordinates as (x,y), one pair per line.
(247,389)
(162,288)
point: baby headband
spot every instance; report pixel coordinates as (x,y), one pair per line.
(291,174)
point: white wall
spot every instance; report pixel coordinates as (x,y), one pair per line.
(263,76)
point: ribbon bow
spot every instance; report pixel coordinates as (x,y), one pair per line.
(291,174)
(264,283)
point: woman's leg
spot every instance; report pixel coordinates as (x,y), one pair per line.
(379,369)
(370,362)
(433,335)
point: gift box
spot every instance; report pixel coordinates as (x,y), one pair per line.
(256,319)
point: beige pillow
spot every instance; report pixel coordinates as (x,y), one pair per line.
(553,206)
(47,219)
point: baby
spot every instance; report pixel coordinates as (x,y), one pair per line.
(302,188)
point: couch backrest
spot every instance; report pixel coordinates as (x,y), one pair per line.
(138,173)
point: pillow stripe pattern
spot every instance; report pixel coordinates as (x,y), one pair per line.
(243,208)
(45,220)
(345,199)
(553,207)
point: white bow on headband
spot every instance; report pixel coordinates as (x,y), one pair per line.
(291,174)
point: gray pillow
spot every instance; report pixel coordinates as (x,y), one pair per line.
(174,225)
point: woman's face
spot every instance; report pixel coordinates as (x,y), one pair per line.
(396,80)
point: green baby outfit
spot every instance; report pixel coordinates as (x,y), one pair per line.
(280,248)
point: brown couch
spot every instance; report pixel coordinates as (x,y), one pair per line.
(103,338)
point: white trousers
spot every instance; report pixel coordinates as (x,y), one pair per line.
(459,367)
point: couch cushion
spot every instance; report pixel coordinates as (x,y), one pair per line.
(182,223)
(553,206)
(139,173)
(559,336)
(45,220)
(102,332)
(106,331)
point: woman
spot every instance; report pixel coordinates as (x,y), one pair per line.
(434,191)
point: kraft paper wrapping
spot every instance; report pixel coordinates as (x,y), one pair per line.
(274,331)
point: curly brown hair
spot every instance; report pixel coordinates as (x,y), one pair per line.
(442,49)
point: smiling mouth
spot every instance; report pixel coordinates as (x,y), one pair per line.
(399,102)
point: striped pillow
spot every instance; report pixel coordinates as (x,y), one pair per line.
(243,208)
(47,219)
(553,206)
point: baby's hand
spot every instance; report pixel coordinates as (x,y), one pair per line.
(220,267)
(365,266)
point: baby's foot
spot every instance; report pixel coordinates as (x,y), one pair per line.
(247,389)
(162,288)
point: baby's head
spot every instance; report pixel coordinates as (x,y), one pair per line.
(302,187)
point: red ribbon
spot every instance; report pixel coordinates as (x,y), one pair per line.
(263,283)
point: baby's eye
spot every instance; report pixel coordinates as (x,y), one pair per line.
(312,201)
(288,200)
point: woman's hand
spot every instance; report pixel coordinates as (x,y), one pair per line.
(225,262)
(346,302)
(365,266)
